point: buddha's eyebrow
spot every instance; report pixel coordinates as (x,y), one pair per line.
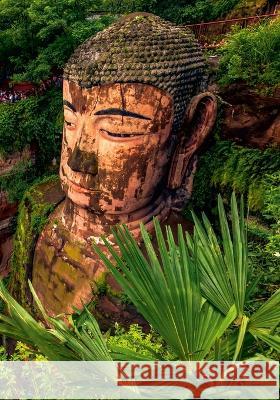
(118,111)
(66,103)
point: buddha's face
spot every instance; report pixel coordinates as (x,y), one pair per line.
(116,145)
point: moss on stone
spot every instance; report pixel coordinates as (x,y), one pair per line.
(38,202)
(73,252)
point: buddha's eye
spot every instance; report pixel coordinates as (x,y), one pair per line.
(70,119)
(70,125)
(121,134)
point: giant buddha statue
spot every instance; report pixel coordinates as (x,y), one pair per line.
(135,113)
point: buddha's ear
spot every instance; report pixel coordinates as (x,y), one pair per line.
(199,120)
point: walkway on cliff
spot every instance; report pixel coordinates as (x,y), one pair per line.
(214,31)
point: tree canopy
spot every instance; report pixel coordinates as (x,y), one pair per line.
(38,36)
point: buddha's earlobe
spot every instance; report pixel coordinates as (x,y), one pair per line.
(199,120)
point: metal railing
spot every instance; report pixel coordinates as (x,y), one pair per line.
(206,32)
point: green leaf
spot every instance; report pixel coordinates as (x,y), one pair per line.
(241,336)
(164,286)
(268,315)
(60,342)
(223,267)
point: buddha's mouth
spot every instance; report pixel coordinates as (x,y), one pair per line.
(77,187)
(81,189)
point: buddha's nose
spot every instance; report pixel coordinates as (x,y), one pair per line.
(82,161)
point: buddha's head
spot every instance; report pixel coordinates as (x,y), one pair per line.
(127,93)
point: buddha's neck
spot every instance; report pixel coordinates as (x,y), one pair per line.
(85,223)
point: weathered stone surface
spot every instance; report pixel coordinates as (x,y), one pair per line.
(8,210)
(66,270)
(6,248)
(37,204)
(142,48)
(123,159)
(250,118)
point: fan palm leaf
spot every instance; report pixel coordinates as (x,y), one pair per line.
(164,286)
(61,341)
(223,267)
(265,320)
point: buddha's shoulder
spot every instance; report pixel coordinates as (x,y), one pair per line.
(39,202)
(48,191)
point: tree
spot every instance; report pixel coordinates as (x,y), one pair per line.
(38,36)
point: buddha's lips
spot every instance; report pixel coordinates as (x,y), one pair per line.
(81,189)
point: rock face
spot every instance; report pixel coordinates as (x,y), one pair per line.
(33,213)
(135,116)
(7,213)
(67,270)
(119,146)
(7,209)
(250,118)
(252,7)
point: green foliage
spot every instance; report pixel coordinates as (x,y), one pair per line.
(272,196)
(226,166)
(166,286)
(200,11)
(22,353)
(180,12)
(37,119)
(265,266)
(137,341)
(38,36)
(252,55)
(177,275)
(172,282)
(227,264)
(79,340)
(272,211)
(128,6)
(255,174)
(16,182)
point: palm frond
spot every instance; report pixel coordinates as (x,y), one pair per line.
(265,320)
(60,342)
(268,315)
(223,267)
(241,337)
(166,291)
(264,335)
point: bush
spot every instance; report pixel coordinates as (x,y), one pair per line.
(37,119)
(272,196)
(180,12)
(254,173)
(38,36)
(226,166)
(252,55)
(136,340)
(22,353)
(18,180)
